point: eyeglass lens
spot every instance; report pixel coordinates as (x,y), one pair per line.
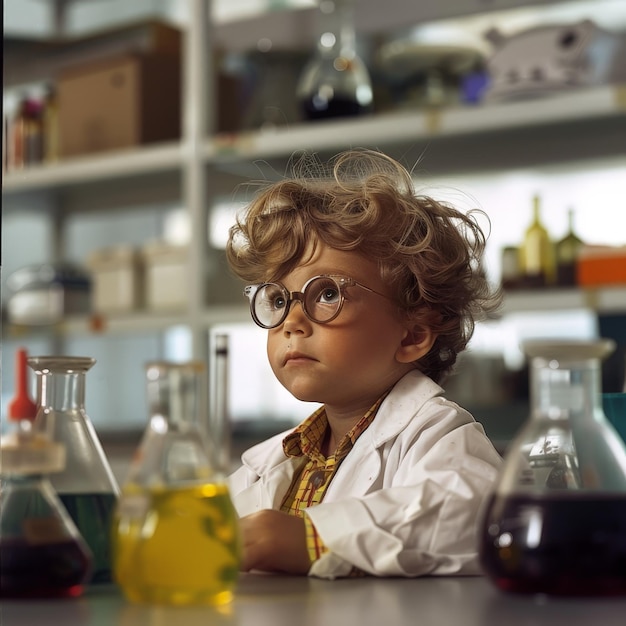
(321,300)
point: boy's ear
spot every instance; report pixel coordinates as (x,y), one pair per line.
(415,345)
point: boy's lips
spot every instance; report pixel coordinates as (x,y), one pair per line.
(297,356)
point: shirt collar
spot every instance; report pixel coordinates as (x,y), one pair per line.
(307,438)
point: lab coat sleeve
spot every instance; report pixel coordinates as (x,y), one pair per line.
(424,523)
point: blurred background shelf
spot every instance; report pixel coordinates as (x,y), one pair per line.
(499,153)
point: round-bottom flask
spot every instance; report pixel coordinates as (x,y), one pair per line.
(42,554)
(175,532)
(556,522)
(86,486)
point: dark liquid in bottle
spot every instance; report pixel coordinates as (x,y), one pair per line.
(92,514)
(568,544)
(337,107)
(50,570)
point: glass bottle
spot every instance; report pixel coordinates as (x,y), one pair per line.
(567,250)
(50,121)
(556,522)
(175,531)
(335,82)
(537,252)
(86,486)
(42,553)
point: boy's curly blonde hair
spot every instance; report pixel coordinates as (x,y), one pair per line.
(365,201)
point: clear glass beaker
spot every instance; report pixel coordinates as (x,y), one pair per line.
(86,486)
(175,532)
(556,522)
(42,554)
(335,82)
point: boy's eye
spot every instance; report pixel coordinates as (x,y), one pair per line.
(329,295)
(274,298)
(278,301)
(324,291)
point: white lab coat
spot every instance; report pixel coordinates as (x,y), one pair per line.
(406,499)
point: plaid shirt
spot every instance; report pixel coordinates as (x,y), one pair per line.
(311,481)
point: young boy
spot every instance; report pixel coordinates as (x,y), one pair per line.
(368,292)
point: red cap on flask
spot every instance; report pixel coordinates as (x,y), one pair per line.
(21,407)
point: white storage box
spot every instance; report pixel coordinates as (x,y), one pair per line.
(116,280)
(167,283)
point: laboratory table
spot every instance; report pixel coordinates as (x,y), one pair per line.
(268,600)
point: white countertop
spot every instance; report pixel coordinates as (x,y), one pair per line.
(267,600)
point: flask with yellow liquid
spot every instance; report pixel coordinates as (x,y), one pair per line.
(175,531)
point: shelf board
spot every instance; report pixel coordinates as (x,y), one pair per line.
(146,160)
(605,300)
(584,106)
(95,325)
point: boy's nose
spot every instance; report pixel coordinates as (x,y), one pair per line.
(296,320)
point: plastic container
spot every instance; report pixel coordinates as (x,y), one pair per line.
(166,274)
(117,280)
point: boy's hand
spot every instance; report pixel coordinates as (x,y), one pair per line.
(274,541)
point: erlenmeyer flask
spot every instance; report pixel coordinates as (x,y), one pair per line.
(42,554)
(86,486)
(556,522)
(175,530)
(335,82)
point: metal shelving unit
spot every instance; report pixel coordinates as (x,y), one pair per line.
(586,123)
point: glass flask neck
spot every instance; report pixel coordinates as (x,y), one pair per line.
(62,391)
(175,394)
(61,385)
(337,28)
(565,389)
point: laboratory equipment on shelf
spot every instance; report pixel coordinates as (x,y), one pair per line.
(556,522)
(335,82)
(86,486)
(176,536)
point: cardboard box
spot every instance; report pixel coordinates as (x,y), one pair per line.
(166,273)
(116,280)
(120,102)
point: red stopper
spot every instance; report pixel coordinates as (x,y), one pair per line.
(21,407)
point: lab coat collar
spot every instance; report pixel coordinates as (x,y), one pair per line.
(397,410)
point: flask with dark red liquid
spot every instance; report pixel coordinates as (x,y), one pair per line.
(42,554)
(556,522)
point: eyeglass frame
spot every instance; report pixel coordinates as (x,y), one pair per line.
(343,282)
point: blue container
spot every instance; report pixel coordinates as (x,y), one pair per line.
(614,405)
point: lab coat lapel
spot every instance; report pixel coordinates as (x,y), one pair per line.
(276,472)
(362,467)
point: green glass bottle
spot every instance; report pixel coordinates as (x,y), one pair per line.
(567,251)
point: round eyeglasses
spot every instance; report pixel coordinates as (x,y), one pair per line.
(322,298)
